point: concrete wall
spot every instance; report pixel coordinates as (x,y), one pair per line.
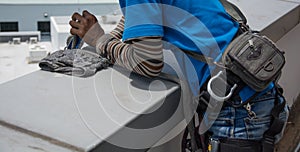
(29,14)
(291,73)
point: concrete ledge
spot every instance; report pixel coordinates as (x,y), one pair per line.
(273,18)
(290,74)
(15,141)
(77,114)
(283,25)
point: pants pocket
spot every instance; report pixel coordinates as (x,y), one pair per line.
(255,128)
(221,128)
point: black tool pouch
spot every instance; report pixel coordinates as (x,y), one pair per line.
(254,59)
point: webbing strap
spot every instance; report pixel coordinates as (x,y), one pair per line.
(234,12)
(200,57)
(236,15)
(275,128)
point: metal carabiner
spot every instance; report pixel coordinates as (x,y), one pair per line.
(210,91)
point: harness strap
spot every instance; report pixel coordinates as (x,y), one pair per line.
(234,12)
(200,57)
(237,16)
(231,79)
(194,139)
(276,127)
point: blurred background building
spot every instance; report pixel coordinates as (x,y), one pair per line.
(30,29)
(34,15)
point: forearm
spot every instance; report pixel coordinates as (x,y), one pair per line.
(118,31)
(143,56)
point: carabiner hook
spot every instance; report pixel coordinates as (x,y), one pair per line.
(212,94)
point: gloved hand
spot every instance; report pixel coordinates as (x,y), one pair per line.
(86,26)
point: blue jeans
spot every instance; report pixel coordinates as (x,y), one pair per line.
(236,123)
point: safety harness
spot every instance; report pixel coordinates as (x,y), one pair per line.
(234,82)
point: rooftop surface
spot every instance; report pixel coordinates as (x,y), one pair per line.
(13,60)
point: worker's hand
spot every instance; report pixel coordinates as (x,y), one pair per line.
(86,26)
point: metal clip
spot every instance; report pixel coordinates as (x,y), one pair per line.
(251,43)
(251,113)
(213,145)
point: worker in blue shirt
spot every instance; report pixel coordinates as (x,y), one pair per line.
(202,26)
